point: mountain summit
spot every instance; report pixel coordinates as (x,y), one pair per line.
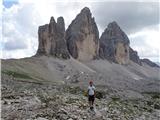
(52,39)
(82,36)
(81,41)
(114,44)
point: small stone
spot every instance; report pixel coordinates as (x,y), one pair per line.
(70,119)
(41,118)
(84,117)
(157,106)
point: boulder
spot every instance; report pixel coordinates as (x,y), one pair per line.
(82,36)
(52,39)
(114,44)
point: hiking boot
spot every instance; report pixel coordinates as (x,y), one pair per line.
(91,108)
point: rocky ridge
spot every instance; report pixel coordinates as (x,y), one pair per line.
(150,63)
(81,41)
(82,36)
(52,39)
(114,44)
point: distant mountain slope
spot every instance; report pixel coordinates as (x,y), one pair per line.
(49,69)
(150,63)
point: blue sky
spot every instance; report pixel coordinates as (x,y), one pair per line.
(9,3)
(140,20)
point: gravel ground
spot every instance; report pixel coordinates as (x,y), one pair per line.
(43,101)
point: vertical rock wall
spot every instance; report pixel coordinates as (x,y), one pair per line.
(82,36)
(114,44)
(52,39)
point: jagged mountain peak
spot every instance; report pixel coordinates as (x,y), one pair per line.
(60,20)
(81,40)
(114,32)
(52,20)
(113,24)
(82,36)
(114,44)
(52,39)
(86,10)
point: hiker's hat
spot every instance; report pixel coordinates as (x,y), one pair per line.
(90,81)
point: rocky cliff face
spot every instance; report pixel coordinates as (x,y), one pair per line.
(52,39)
(114,44)
(133,55)
(82,36)
(81,41)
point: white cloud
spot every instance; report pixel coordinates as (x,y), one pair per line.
(21,21)
(146,42)
(19,32)
(1,7)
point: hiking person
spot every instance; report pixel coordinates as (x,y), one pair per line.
(91,94)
